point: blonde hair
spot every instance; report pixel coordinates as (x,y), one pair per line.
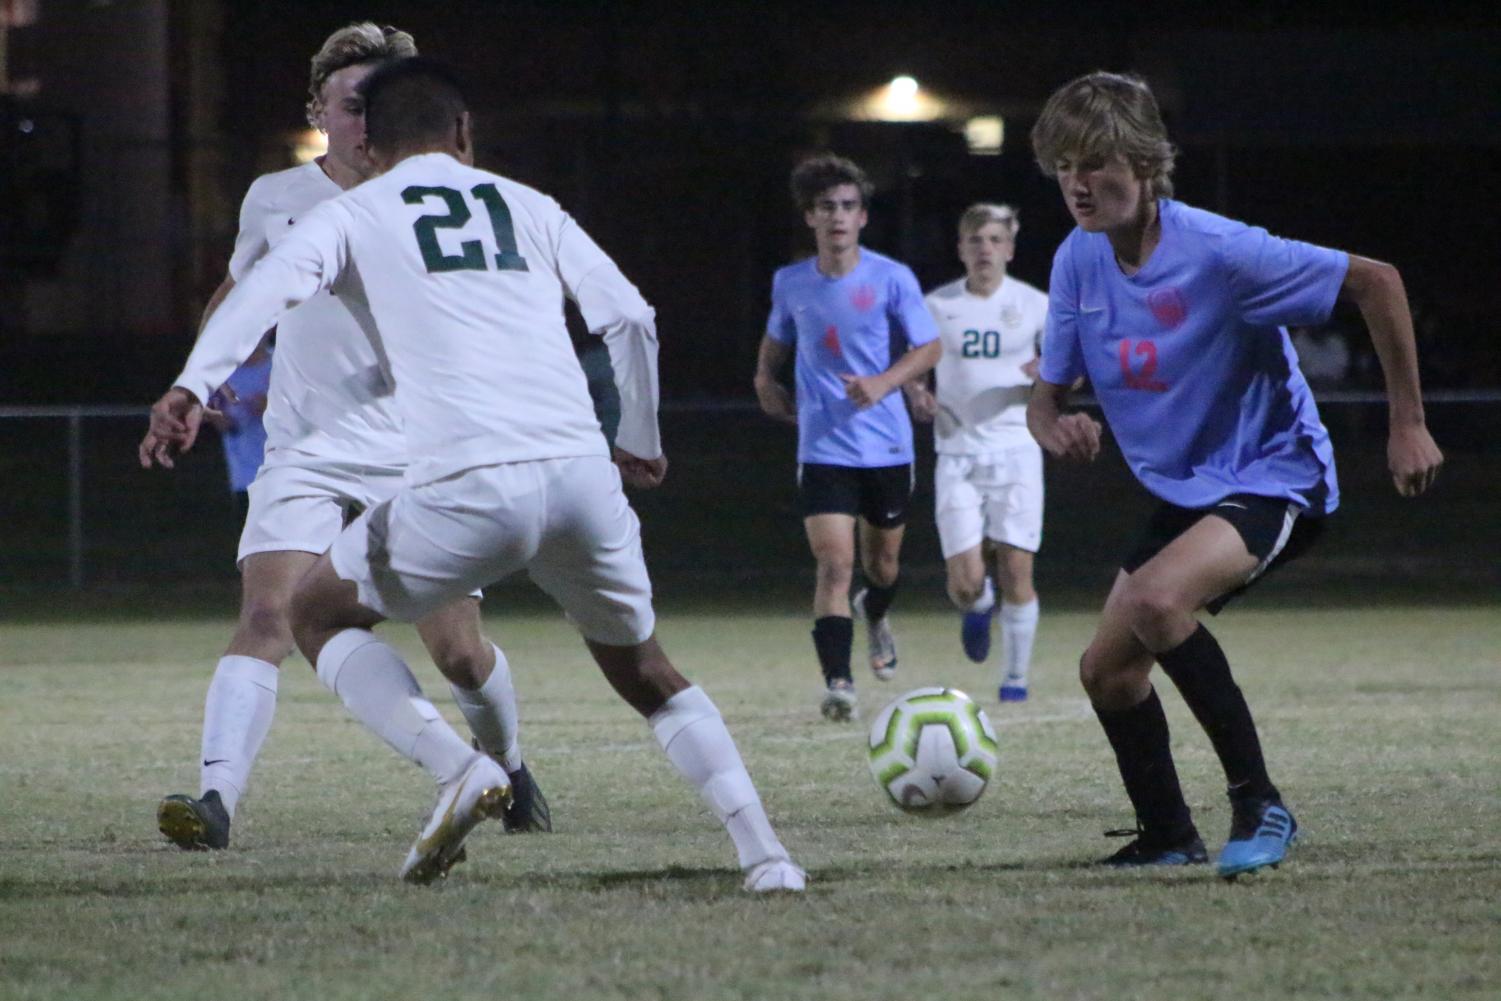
(984,213)
(1102,115)
(351,45)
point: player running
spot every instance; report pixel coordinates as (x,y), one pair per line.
(1178,318)
(837,310)
(988,477)
(334,447)
(465,273)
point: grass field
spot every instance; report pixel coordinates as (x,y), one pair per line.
(1380,725)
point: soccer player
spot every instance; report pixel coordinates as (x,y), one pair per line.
(335,445)
(837,310)
(988,479)
(465,273)
(1178,318)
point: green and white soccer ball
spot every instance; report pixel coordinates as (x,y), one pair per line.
(933,750)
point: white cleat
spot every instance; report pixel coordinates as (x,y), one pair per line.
(839,703)
(879,639)
(776,875)
(481,792)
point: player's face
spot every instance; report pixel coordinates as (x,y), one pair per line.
(986,251)
(341,113)
(836,218)
(1101,194)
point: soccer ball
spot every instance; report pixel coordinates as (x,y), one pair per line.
(932,750)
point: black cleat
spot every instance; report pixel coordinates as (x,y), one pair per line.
(194,825)
(528,811)
(1183,849)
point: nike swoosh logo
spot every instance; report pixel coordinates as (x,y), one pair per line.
(216,761)
(1091,309)
(425,845)
(1232,504)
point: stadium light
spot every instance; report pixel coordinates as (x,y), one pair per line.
(901,100)
(308,145)
(985,135)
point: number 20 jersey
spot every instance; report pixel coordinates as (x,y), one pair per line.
(1190,357)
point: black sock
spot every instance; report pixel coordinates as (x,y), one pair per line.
(832,637)
(1199,669)
(1139,737)
(878,600)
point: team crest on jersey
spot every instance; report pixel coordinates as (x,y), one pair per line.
(1010,315)
(863,298)
(831,340)
(1168,306)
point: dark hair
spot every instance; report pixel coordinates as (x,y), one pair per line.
(818,174)
(1102,114)
(411,101)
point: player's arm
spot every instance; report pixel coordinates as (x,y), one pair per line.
(869,390)
(770,393)
(1377,291)
(1065,435)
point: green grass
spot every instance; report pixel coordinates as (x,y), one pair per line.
(1380,726)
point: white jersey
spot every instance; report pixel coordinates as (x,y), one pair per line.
(329,398)
(465,273)
(982,390)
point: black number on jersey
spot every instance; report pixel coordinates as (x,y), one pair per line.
(981,344)
(472,252)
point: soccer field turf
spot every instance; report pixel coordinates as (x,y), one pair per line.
(1379,723)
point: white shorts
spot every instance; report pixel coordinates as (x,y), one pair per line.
(996,497)
(565,521)
(302,508)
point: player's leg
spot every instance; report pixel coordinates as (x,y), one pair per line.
(1114,671)
(1210,559)
(479,675)
(1013,518)
(885,495)
(957,509)
(1019,614)
(831,538)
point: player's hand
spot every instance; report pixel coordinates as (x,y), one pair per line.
(1031,368)
(175,420)
(775,401)
(1413,459)
(1074,436)
(865,390)
(924,403)
(643,474)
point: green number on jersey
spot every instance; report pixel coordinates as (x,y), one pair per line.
(473,256)
(979,344)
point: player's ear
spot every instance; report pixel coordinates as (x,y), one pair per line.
(464,138)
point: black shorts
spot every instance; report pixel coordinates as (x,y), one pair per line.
(879,494)
(1274,529)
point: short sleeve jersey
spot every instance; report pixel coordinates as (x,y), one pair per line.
(982,390)
(845,326)
(328,399)
(1190,357)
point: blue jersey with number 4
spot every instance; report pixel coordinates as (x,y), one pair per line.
(844,326)
(1190,358)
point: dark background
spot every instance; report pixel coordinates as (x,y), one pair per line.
(131,129)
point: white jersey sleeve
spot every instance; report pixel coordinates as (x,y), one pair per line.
(613,308)
(251,242)
(305,263)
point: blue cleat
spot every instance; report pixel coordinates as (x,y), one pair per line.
(1182,849)
(1012,691)
(1260,832)
(975,634)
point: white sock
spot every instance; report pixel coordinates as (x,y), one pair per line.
(236,717)
(986,601)
(491,712)
(376,686)
(693,734)
(1018,630)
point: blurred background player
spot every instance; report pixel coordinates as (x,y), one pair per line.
(988,477)
(1178,317)
(837,310)
(334,446)
(512,469)
(240,404)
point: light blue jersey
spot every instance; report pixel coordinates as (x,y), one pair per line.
(844,326)
(245,437)
(1190,358)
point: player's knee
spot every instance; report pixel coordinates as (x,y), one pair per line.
(462,661)
(835,572)
(883,569)
(265,626)
(964,591)
(1152,610)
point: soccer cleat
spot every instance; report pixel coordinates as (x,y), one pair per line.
(1187,849)
(974,633)
(1260,832)
(481,792)
(528,810)
(194,824)
(1013,691)
(839,703)
(879,640)
(776,875)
